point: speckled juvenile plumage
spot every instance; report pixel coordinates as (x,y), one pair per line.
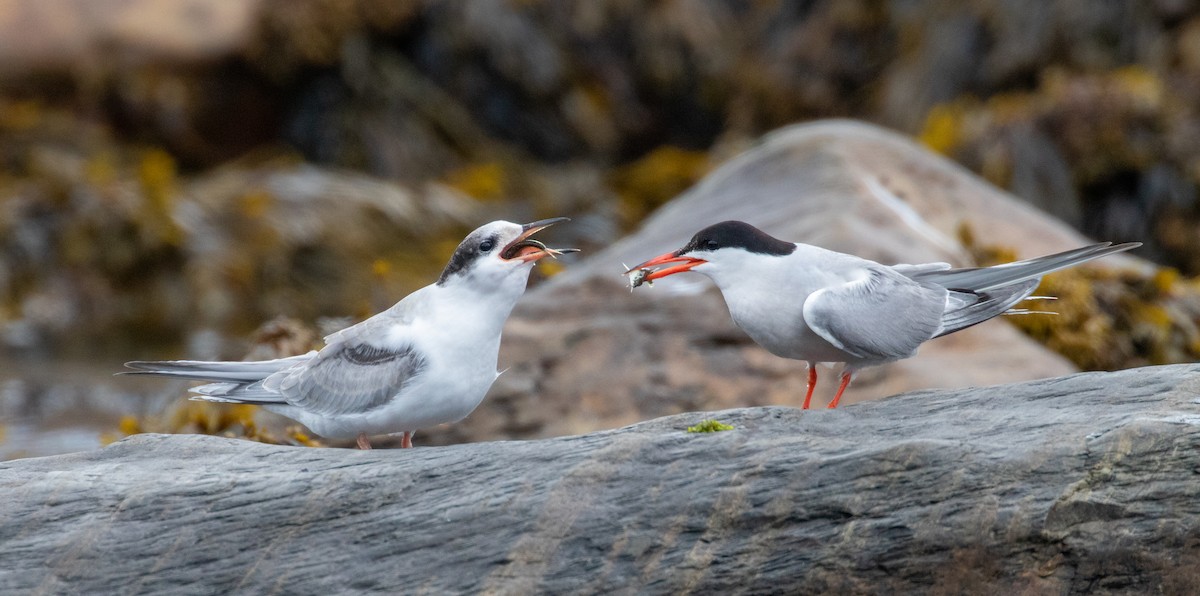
(427,360)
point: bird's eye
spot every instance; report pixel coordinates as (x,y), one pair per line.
(711,245)
(487,245)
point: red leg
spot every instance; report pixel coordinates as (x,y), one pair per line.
(406,440)
(845,383)
(812,384)
(363,441)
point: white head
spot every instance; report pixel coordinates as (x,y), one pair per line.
(497,257)
(720,251)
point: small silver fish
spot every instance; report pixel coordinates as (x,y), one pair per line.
(637,277)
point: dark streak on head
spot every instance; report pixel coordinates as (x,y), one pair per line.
(466,253)
(737,234)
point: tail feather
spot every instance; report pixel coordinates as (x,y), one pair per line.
(201,370)
(236,393)
(229,382)
(974,308)
(981,293)
(979,279)
(198,375)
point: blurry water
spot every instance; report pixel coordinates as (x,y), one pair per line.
(52,406)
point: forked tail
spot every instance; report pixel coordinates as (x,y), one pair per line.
(233,382)
(981,293)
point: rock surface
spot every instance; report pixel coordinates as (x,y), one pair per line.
(1080,484)
(585,354)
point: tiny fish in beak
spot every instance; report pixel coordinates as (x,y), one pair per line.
(524,248)
(648,272)
(637,277)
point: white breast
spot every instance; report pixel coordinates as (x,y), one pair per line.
(766,294)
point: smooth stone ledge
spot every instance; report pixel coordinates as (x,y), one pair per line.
(1084,483)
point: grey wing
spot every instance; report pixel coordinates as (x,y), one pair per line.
(350,378)
(911,270)
(881,316)
(987,278)
(401,313)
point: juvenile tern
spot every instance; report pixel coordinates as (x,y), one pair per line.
(808,303)
(427,360)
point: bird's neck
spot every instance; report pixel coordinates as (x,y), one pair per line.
(487,310)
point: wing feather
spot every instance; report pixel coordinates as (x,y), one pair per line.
(881,316)
(350,378)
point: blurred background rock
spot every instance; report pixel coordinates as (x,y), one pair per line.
(175,173)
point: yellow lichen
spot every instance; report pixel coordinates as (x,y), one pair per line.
(256,203)
(201,417)
(1081,330)
(1142,87)
(487,181)
(1004,108)
(380,268)
(300,438)
(656,178)
(1107,319)
(17,116)
(550,268)
(130,425)
(942,131)
(156,173)
(1166,280)
(101,169)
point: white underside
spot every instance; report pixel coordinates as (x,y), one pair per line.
(766,297)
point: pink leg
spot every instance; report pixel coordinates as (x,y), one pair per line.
(363,441)
(812,384)
(845,383)
(406,440)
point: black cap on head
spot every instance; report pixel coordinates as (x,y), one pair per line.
(476,245)
(737,234)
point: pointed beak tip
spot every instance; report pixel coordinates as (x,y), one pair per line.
(544,223)
(524,240)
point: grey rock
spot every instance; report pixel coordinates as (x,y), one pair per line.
(1079,484)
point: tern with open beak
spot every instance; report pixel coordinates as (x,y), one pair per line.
(427,360)
(807,303)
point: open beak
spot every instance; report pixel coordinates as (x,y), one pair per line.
(685,263)
(526,249)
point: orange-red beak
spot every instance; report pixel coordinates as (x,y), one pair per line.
(685,263)
(524,248)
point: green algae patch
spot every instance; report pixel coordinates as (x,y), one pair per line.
(709,426)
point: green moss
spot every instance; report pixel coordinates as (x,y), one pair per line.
(709,426)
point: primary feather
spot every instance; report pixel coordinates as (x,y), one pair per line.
(977,294)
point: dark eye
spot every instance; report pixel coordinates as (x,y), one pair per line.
(711,245)
(487,245)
